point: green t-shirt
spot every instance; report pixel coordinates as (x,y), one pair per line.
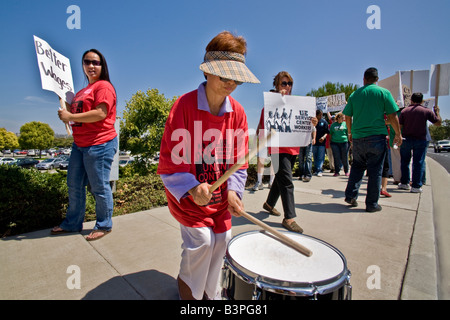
(367,106)
(339,132)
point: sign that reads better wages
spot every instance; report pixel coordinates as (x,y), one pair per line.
(56,74)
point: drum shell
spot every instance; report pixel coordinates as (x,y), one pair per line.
(239,283)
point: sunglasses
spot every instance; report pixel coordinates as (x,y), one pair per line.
(238,83)
(284,84)
(96,63)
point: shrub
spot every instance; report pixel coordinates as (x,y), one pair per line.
(138,193)
(30,200)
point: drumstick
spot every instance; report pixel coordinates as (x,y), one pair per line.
(279,235)
(239,164)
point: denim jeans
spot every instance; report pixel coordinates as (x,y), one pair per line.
(305,161)
(368,154)
(340,155)
(90,165)
(319,157)
(419,150)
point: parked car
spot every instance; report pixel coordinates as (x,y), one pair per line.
(49,164)
(64,165)
(31,152)
(23,152)
(6,151)
(123,162)
(25,162)
(442,145)
(6,160)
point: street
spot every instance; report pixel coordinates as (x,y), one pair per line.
(443,158)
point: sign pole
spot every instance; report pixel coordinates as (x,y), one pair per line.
(438,76)
(62,104)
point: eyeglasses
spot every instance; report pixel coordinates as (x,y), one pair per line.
(284,84)
(238,83)
(95,63)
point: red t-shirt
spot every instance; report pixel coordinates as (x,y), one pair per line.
(90,134)
(197,142)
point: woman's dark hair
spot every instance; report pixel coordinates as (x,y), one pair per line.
(104,75)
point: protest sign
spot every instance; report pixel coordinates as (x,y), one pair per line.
(332,103)
(428,103)
(439,84)
(289,118)
(56,74)
(336,102)
(416,80)
(55,71)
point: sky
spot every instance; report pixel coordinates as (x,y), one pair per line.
(160,45)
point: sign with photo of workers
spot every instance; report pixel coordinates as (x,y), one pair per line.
(289,119)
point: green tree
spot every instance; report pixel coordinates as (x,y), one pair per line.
(8,140)
(63,142)
(142,126)
(36,135)
(330,88)
(442,132)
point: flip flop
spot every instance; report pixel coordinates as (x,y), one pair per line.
(60,231)
(102,234)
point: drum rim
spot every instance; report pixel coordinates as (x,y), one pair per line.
(279,286)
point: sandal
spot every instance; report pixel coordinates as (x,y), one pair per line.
(101,234)
(58,230)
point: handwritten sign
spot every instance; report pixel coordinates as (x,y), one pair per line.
(332,103)
(56,74)
(289,118)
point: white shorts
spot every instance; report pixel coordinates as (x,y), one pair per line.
(202,260)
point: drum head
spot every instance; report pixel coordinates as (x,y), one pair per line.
(260,255)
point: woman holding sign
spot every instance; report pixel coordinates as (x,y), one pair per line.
(283,160)
(92,116)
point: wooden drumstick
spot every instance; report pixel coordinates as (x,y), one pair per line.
(283,238)
(239,164)
(286,240)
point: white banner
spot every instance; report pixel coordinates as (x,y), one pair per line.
(56,74)
(442,82)
(419,79)
(289,118)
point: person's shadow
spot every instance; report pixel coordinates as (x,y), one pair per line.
(144,285)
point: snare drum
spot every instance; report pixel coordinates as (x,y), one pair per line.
(257,266)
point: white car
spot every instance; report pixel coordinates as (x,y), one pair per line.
(6,160)
(49,164)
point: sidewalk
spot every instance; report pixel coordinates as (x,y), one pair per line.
(140,258)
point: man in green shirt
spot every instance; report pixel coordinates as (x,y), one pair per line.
(364,116)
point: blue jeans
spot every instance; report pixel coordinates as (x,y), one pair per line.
(305,161)
(319,157)
(90,165)
(368,154)
(340,155)
(419,150)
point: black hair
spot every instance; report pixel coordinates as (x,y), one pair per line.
(371,75)
(104,75)
(417,97)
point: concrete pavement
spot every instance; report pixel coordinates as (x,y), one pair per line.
(391,254)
